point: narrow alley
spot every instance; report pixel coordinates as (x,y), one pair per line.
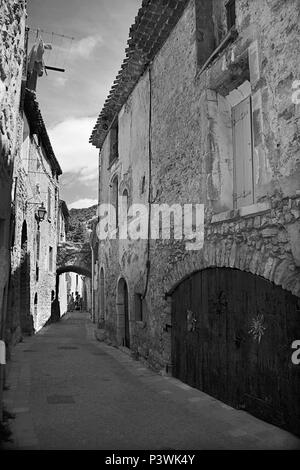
(70,391)
(149,226)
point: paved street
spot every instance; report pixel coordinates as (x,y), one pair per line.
(68,391)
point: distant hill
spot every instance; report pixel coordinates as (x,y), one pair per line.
(80,223)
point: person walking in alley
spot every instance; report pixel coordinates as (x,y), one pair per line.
(72,303)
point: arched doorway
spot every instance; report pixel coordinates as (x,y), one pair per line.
(232,333)
(35,306)
(123,330)
(26,320)
(102,298)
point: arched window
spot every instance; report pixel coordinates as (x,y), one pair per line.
(123,215)
(24,236)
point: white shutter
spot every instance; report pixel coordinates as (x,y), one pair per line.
(243,156)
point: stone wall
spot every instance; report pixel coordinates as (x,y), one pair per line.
(192,162)
(12,27)
(33,178)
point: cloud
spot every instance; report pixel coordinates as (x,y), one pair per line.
(83,203)
(60,81)
(70,141)
(84,47)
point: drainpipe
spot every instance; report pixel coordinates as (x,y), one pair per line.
(92,289)
(148,264)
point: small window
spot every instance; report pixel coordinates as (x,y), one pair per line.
(231,14)
(56,201)
(115,198)
(138,307)
(49,203)
(50,259)
(143,185)
(114,142)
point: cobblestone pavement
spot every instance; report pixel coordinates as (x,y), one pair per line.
(69,391)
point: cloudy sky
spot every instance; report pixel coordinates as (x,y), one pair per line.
(70,102)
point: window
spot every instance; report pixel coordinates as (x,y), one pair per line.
(50,259)
(115,198)
(143,185)
(56,201)
(122,219)
(243,154)
(114,138)
(230,14)
(215,29)
(49,203)
(138,307)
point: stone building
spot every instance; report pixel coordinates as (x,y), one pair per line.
(34,244)
(202,112)
(12,27)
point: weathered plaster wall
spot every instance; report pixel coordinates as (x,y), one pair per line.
(192,163)
(12,27)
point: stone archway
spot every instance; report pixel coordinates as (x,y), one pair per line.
(232,254)
(81,270)
(74,268)
(74,255)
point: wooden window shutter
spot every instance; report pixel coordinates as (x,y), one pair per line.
(243,155)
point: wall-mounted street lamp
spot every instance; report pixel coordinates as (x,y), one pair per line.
(40,211)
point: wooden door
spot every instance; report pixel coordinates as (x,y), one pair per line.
(231,337)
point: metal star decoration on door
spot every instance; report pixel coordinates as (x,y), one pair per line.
(257,328)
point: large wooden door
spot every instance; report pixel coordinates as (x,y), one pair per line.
(231,337)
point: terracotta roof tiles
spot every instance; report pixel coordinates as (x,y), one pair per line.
(153,24)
